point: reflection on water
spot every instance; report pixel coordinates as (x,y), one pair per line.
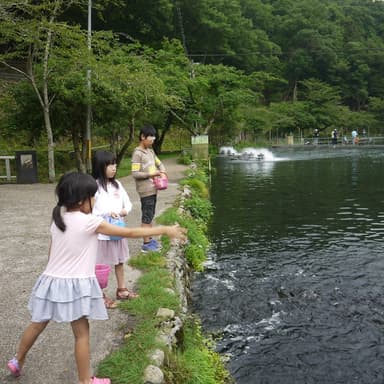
(295,277)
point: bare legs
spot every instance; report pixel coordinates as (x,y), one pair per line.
(119,271)
(80,330)
(28,338)
(122,293)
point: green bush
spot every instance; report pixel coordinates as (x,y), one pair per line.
(198,363)
(198,243)
(200,209)
(197,186)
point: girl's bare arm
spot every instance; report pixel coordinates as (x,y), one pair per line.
(173,231)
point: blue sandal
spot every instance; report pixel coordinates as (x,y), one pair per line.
(14,367)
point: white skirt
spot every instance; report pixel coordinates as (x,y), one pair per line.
(66,300)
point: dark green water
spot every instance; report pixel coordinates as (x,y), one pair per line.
(295,277)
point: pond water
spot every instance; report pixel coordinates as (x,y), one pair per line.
(294,280)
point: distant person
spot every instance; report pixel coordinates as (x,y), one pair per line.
(355,137)
(68,290)
(145,166)
(111,203)
(316,135)
(334,137)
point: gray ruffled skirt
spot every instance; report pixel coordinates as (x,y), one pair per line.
(66,299)
(112,252)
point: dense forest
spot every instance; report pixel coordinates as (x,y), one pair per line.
(233,69)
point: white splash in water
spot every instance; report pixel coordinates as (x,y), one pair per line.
(266,154)
(226,282)
(229,151)
(249,153)
(272,322)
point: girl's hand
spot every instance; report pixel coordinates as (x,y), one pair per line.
(114,215)
(123,213)
(176,232)
(154,174)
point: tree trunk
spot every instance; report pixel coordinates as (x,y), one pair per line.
(46,105)
(294,95)
(158,143)
(51,145)
(80,164)
(127,143)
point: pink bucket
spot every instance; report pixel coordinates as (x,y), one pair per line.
(160,182)
(102,273)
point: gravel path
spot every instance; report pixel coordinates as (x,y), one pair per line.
(24,236)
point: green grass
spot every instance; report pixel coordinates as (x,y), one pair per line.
(195,362)
(127,364)
(124,168)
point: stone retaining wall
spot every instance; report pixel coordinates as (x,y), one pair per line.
(170,323)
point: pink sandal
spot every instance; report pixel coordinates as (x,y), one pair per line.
(14,367)
(95,380)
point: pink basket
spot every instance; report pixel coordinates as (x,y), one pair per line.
(102,273)
(160,182)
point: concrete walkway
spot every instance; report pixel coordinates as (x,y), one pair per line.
(24,238)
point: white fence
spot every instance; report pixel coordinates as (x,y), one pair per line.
(8,174)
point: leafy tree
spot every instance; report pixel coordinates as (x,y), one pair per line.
(126,92)
(215,93)
(257,120)
(376,108)
(206,98)
(230,71)
(220,32)
(32,35)
(354,75)
(271,86)
(146,22)
(21,114)
(290,118)
(174,69)
(310,39)
(324,104)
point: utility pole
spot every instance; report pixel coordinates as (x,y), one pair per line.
(89,88)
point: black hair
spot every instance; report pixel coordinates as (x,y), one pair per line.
(100,162)
(72,188)
(147,130)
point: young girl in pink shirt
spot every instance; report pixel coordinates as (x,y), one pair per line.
(67,290)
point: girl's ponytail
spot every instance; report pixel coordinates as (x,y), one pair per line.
(57,218)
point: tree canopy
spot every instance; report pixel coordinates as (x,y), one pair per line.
(230,68)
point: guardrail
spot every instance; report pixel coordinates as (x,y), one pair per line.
(8,174)
(343,140)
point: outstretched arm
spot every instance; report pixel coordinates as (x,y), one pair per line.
(173,231)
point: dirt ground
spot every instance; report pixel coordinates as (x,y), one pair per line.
(24,237)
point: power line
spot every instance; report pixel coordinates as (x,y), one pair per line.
(282,53)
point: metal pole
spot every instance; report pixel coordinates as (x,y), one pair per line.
(89,87)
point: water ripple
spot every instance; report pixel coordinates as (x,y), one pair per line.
(294,281)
